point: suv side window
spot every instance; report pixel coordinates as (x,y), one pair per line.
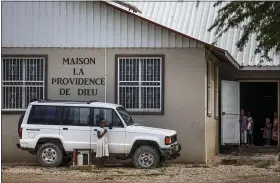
(43,115)
(75,116)
(109,115)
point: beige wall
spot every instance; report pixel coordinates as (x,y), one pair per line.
(212,125)
(184,94)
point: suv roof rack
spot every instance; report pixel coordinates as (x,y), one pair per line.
(80,101)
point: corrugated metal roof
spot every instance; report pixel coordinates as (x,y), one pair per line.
(194,21)
(82,24)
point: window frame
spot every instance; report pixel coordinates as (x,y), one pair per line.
(209,87)
(216,92)
(45,78)
(61,109)
(32,112)
(93,123)
(138,111)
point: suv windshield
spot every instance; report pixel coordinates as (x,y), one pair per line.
(125,116)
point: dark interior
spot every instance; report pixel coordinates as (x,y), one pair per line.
(259,98)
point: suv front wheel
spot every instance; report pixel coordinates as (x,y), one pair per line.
(50,155)
(146,157)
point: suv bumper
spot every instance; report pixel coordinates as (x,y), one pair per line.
(172,152)
(23,148)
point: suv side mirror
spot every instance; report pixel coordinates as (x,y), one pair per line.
(111,126)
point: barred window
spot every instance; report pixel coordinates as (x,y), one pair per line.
(22,80)
(140,83)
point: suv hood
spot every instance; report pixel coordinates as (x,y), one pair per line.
(150,130)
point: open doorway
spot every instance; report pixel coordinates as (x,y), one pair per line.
(261,99)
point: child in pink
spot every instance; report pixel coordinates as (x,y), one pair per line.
(243,127)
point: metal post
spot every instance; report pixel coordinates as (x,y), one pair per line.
(75,157)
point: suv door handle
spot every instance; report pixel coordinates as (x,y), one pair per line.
(95,130)
(64,128)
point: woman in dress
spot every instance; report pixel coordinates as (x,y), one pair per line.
(102,150)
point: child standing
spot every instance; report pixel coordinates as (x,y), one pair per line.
(243,127)
(267,132)
(250,130)
(102,150)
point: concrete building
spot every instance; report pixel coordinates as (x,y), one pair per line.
(100,51)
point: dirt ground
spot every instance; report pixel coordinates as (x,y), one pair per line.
(172,173)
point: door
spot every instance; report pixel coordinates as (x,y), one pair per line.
(75,127)
(115,128)
(230,127)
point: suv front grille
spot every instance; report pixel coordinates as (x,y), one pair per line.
(173,138)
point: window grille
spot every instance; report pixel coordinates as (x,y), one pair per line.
(140,83)
(23,79)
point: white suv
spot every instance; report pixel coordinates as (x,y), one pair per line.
(53,129)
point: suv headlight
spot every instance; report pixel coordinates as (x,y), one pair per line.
(167,140)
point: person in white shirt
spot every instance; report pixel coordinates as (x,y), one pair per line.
(250,130)
(102,150)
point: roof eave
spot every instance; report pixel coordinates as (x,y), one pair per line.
(260,68)
(231,59)
(223,55)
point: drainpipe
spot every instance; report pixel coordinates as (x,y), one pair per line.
(105,74)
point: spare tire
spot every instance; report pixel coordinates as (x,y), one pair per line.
(19,123)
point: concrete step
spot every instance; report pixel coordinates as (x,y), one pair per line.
(249,149)
(259,160)
(258,149)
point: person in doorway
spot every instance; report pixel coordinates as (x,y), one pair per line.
(250,129)
(275,128)
(102,150)
(267,132)
(243,127)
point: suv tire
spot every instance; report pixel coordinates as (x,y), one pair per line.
(50,155)
(146,157)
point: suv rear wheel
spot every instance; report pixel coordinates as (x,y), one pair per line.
(146,157)
(50,155)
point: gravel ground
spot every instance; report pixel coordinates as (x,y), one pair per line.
(172,173)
